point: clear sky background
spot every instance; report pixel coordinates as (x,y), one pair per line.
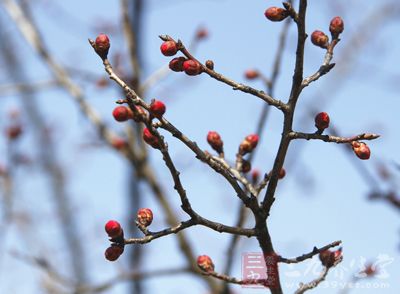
(323,197)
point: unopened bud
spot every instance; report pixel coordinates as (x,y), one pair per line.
(276,13)
(322,121)
(205,263)
(113,252)
(319,39)
(145,216)
(102,45)
(361,150)
(215,141)
(336,26)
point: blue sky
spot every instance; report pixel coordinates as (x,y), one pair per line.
(323,197)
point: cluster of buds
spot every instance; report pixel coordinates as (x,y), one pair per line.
(189,66)
(361,150)
(123,113)
(248,144)
(336,27)
(276,13)
(205,263)
(215,141)
(322,121)
(145,217)
(116,234)
(150,138)
(330,258)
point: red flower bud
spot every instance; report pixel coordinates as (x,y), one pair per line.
(246,166)
(14,132)
(119,143)
(122,113)
(245,147)
(336,26)
(251,74)
(113,229)
(276,13)
(248,144)
(330,258)
(150,139)
(319,39)
(192,68)
(255,175)
(113,252)
(145,216)
(169,48)
(210,64)
(322,121)
(176,64)
(361,150)
(205,263)
(214,139)
(102,45)
(370,270)
(326,257)
(253,139)
(282,173)
(201,33)
(157,108)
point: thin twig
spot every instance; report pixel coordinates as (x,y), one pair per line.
(332,139)
(314,252)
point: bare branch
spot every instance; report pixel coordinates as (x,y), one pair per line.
(234,280)
(332,139)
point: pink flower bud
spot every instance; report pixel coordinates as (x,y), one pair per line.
(214,139)
(205,263)
(145,216)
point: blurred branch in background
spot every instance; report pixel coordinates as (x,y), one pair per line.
(49,162)
(142,169)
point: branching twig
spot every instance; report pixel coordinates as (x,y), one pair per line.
(314,283)
(235,85)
